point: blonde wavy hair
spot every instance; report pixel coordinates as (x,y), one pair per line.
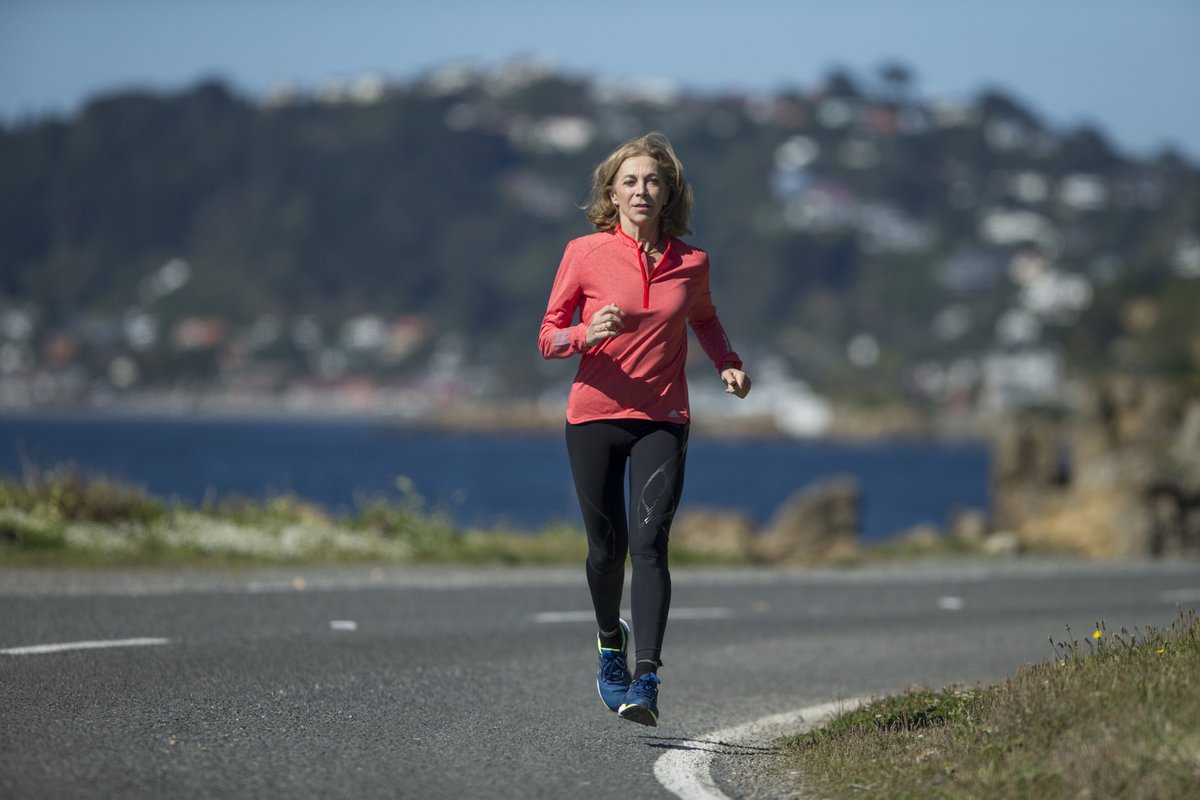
(677,212)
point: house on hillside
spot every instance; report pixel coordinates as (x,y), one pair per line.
(1019,379)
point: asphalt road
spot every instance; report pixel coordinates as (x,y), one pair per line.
(457,683)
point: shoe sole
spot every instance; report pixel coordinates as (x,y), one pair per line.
(638,714)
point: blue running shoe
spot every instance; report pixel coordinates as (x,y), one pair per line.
(612,679)
(641,702)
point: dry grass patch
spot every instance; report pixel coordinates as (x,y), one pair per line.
(1114,717)
(66,517)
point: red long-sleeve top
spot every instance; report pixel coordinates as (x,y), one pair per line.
(639,373)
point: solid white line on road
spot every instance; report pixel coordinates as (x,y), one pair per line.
(686,770)
(675,614)
(343,625)
(949,603)
(39,649)
(1180,596)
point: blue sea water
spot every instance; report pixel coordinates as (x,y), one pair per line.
(482,479)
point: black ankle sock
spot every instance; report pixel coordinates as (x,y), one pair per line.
(611,640)
(644,667)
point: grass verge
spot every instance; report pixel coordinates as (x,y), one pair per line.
(66,518)
(63,517)
(1117,717)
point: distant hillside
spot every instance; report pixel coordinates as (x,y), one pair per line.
(869,241)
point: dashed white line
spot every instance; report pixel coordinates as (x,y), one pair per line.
(343,625)
(39,649)
(950,603)
(701,613)
(551,617)
(686,771)
(564,616)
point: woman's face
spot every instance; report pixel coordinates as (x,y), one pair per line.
(638,191)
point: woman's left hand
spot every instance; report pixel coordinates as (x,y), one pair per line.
(736,382)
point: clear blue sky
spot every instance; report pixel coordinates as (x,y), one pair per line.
(1130,66)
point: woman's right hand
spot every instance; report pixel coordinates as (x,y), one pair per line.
(606,323)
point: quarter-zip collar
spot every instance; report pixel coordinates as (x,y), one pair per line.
(644,262)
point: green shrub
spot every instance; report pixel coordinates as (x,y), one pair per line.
(275,512)
(26,531)
(63,493)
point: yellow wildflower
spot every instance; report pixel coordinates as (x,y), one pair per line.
(1097,634)
(1161,650)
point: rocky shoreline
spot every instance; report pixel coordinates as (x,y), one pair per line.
(1117,478)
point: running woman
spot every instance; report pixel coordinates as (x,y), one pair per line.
(636,287)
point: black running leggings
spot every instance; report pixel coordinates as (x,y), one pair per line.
(655,452)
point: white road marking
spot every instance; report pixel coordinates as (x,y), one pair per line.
(550,617)
(564,616)
(268,587)
(1180,596)
(296,584)
(39,649)
(686,770)
(949,603)
(157,583)
(343,625)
